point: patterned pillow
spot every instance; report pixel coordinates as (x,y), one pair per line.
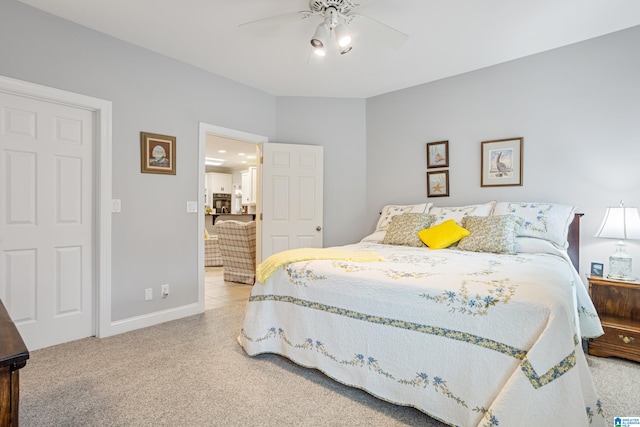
(495,234)
(456,213)
(442,235)
(404,229)
(548,221)
(390,211)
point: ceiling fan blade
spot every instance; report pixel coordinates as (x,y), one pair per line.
(376,29)
(364,3)
(280,19)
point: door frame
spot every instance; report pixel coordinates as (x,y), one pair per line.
(209,129)
(102,162)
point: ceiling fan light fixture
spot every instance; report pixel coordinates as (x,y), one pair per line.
(319,39)
(345,49)
(342,35)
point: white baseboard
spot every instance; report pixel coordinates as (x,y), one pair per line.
(144,321)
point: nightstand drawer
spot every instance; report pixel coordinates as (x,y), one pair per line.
(616,342)
(621,337)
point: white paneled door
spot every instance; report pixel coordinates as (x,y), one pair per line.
(292,197)
(46,215)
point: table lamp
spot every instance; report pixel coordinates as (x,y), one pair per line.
(622,223)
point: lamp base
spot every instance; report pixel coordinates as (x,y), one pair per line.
(620,264)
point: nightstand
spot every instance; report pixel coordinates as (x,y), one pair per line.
(618,305)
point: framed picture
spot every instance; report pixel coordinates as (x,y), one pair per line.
(501,162)
(597,269)
(437,154)
(157,153)
(438,184)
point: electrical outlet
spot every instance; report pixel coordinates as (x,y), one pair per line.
(165,290)
(148,294)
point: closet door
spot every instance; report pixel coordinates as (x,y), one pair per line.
(46,219)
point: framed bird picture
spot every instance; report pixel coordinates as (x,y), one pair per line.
(501,162)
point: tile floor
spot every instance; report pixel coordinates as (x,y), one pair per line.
(217,292)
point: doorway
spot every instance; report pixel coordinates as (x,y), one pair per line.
(229,135)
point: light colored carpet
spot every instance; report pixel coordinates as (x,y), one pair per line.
(192,372)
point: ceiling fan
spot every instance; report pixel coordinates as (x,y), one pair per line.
(338,19)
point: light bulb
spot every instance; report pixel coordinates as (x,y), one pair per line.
(343,37)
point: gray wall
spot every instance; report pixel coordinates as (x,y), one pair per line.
(577,107)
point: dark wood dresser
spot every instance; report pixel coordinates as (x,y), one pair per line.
(13,356)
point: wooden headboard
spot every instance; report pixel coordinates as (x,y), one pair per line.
(573,237)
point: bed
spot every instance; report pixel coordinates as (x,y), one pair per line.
(486,331)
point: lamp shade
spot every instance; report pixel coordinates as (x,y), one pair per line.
(620,222)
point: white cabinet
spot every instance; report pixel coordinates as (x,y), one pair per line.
(219,183)
(249,181)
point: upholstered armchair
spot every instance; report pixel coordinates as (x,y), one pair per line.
(212,255)
(238,249)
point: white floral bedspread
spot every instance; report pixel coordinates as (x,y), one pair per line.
(470,339)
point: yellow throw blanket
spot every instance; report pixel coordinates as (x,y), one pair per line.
(267,267)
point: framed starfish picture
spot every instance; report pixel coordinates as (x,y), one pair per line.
(438,184)
(437,154)
(501,162)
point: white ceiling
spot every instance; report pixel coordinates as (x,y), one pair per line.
(237,155)
(446,37)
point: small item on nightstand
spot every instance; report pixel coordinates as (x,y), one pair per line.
(597,269)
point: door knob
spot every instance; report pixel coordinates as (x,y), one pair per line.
(318,228)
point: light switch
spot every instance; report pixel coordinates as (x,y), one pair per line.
(116,206)
(192,207)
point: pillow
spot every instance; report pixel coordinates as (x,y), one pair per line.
(404,228)
(375,237)
(496,234)
(548,221)
(531,245)
(442,235)
(206,233)
(456,213)
(390,211)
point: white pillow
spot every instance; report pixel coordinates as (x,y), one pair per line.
(390,211)
(530,245)
(456,213)
(548,221)
(375,237)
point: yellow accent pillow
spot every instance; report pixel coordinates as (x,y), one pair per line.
(442,235)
